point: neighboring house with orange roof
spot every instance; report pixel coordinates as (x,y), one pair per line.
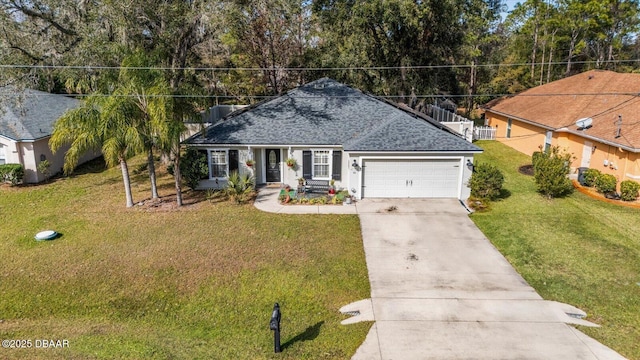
(594,115)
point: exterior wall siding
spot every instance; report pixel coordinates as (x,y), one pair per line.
(351,177)
(524,137)
(603,157)
(29,154)
(527,138)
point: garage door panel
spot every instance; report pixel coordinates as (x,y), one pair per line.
(411,178)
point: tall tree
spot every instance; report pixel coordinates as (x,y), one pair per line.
(271,35)
(400,37)
(148,94)
(135,117)
(101,122)
(482,42)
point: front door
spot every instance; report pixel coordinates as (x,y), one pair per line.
(272,159)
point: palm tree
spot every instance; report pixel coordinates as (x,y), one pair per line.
(137,116)
(101,122)
(147,90)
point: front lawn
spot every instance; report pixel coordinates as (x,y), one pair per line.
(195,283)
(575,250)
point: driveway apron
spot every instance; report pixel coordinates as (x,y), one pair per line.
(440,290)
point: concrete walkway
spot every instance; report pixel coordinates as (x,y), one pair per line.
(440,290)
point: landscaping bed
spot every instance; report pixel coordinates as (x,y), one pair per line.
(293,197)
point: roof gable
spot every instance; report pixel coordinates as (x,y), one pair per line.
(598,94)
(326,112)
(30,114)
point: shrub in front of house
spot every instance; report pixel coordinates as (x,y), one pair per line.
(629,190)
(240,188)
(606,184)
(486,181)
(536,156)
(590,176)
(11,173)
(193,168)
(550,170)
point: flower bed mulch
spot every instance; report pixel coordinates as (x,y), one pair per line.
(526,170)
(596,195)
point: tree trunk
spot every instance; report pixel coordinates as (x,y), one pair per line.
(178,178)
(535,47)
(472,87)
(572,46)
(152,174)
(553,35)
(127,182)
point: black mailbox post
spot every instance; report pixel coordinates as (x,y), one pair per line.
(274,325)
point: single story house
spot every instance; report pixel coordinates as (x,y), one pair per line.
(26,123)
(594,115)
(367,145)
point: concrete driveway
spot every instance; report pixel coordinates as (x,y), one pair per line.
(440,290)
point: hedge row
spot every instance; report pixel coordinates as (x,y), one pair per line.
(11,173)
(607,184)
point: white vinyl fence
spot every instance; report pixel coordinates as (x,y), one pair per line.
(484,133)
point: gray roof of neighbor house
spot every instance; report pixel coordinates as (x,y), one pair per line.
(30,114)
(326,112)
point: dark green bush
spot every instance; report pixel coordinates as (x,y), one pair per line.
(11,173)
(193,167)
(486,181)
(629,190)
(550,170)
(590,176)
(606,184)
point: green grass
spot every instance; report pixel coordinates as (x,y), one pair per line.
(575,250)
(195,283)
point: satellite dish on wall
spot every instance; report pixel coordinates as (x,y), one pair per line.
(584,123)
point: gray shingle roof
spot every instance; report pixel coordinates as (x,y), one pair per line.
(30,114)
(326,112)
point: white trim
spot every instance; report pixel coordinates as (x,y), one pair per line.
(519,119)
(271,146)
(636,177)
(403,154)
(226,159)
(25,140)
(329,163)
(363,159)
(263,168)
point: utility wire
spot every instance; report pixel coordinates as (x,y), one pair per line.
(222,69)
(424,96)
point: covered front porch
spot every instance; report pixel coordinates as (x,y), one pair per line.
(272,164)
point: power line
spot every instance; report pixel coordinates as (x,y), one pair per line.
(223,69)
(423,96)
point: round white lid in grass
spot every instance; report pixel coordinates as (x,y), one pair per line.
(46,235)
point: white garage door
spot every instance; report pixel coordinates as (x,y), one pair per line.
(411,178)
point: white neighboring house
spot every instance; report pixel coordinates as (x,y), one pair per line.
(367,145)
(26,123)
